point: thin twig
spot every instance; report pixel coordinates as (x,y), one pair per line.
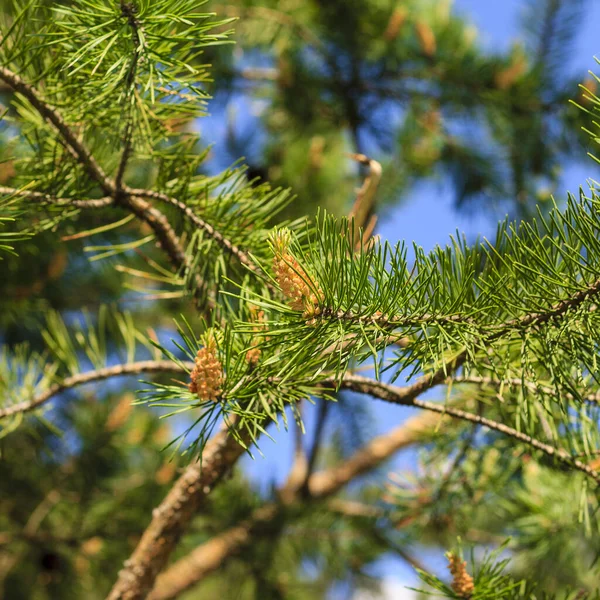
(74,143)
(226,244)
(396,395)
(48,199)
(145,366)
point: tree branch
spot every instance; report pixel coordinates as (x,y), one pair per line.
(226,244)
(397,395)
(145,366)
(210,556)
(158,222)
(48,199)
(174,514)
(50,114)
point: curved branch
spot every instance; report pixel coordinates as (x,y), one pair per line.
(165,234)
(210,556)
(74,144)
(396,395)
(144,366)
(226,244)
(173,515)
(48,199)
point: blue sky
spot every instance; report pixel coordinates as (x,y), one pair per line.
(427,218)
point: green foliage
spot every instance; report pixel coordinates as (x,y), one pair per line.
(410,82)
(99,134)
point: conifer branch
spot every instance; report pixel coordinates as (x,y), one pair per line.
(395,395)
(172,517)
(150,215)
(523,322)
(50,114)
(557,310)
(226,244)
(145,366)
(210,556)
(49,199)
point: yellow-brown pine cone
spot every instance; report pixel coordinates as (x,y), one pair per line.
(426,38)
(462,582)
(253,356)
(258,316)
(207,375)
(292,280)
(290,277)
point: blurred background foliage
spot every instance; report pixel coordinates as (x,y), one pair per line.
(307,82)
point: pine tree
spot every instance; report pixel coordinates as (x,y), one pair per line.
(275,314)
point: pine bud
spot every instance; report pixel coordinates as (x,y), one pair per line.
(426,38)
(207,375)
(258,316)
(293,280)
(397,19)
(462,582)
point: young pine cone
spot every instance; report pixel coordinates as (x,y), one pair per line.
(207,375)
(462,582)
(258,316)
(292,279)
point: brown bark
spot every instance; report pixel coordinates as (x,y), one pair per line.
(144,366)
(210,556)
(174,514)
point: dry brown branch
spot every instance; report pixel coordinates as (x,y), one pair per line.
(210,556)
(145,366)
(363,209)
(396,395)
(173,515)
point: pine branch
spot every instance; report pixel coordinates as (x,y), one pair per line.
(219,238)
(146,366)
(150,215)
(210,556)
(172,517)
(50,114)
(48,199)
(396,395)
(518,382)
